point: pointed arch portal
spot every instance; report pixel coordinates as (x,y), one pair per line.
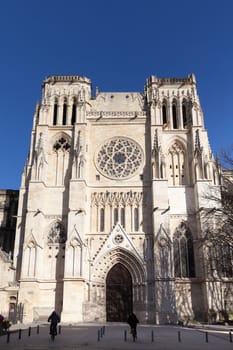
(119,298)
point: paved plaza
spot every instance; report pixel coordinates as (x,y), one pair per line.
(116,336)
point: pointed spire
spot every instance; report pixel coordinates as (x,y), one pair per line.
(198,147)
(156,142)
(78,144)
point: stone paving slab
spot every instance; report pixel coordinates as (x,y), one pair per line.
(117,337)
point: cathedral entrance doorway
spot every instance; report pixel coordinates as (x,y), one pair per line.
(119,298)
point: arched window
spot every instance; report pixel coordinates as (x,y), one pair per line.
(115,214)
(183,253)
(73,117)
(221,259)
(64,115)
(123,217)
(174,115)
(164,112)
(227,259)
(136,220)
(55,108)
(102,220)
(61,149)
(176,163)
(184,114)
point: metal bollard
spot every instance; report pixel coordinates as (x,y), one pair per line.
(206,337)
(230,337)
(179,337)
(152,336)
(125,335)
(98,335)
(8,337)
(59,329)
(20,331)
(38,329)
(103,330)
(29,331)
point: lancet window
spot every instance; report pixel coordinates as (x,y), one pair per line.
(123,217)
(164,112)
(61,156)
(176,163)
(183,253)
(174,115)
(64,114)
(115,215)
(55,110)
(102,219)
(136,219)
(73,117)
(221,259)
(184,113)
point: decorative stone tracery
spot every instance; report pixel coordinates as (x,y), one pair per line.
(119,158)
(183,252)
(176,165)
(61,145)
(113,207)
(60,158)
(56,234)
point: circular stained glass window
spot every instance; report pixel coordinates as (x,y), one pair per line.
(119,158)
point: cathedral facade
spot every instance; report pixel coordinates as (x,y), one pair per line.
(109,215)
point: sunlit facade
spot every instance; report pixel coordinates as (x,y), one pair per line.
(109,216)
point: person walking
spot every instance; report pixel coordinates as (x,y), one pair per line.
(54,319)
(133,321)
(1,324)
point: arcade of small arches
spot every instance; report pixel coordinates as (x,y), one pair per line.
(176,115)
(112,207)
(65,111)
(119,215)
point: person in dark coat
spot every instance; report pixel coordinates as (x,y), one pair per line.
(133,321)
(1,324)
(54,319)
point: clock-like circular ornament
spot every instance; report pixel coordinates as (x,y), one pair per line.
(119,158)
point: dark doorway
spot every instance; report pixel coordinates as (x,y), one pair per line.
(12,312)
(118,294)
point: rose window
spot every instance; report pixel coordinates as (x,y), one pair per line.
(119,158)
(118,239)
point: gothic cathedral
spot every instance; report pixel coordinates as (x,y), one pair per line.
(109,206)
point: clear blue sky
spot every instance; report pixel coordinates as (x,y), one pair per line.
(117,44)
